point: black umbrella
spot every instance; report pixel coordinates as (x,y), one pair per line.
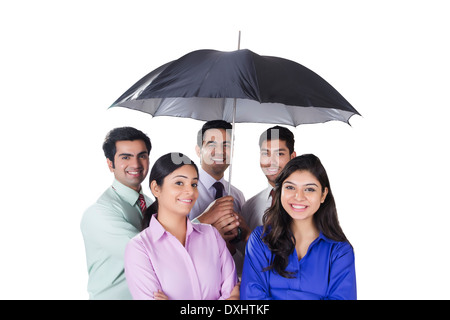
(237,86)
(210,85)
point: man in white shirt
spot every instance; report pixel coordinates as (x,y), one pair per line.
(213,149)
(276,149)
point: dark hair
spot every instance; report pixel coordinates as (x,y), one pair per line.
(213,124)
(123,134)
(277,233)
(162,167)
(279,133)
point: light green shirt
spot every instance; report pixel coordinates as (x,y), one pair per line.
(107,226)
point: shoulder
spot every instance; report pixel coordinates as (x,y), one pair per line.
(255,199)
(139,240)
(251,201)
(256,236)
(256,247)
(108,207)
(209,236)
(206,230)
(235,192)
(138,247)
(339,248)
(107,204)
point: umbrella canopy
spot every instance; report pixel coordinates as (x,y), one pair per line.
(237,86)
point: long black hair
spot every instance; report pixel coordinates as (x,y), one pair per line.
(277,232)
(162,167)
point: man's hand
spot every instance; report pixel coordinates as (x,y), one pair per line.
(245,229)
(216,210)
(227,226)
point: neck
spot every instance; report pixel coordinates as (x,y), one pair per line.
(214,174)
(175,224)
(304,230)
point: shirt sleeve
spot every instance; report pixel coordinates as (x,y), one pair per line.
(342,283)
(228,273)
(255,281)
(139,272)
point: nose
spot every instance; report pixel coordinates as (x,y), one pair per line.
(274,160)
(191,191)
(299,194)
(135,162)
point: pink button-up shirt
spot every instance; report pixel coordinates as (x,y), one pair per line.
(203,269)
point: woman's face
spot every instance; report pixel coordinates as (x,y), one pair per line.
(301,195)
(178,192)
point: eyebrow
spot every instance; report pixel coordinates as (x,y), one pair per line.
(126,154)
(182,176)
(306,184)
(279,149)
(132,155)
(215,141)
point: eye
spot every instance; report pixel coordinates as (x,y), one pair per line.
(289,187)
(194,185)
(125,157)
(179,183)
(310,189)
(143,156)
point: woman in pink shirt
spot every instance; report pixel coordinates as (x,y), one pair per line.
(173,258)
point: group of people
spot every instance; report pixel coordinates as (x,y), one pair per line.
(200,238)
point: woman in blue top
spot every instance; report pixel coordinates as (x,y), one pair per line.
(300,252)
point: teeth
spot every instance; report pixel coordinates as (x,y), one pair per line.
(272,170)
(187,201)
(133,172)
(298,207)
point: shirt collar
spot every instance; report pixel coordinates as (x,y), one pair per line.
(207,180)
(267,191)
(156,231)
(126,193)
(324,238)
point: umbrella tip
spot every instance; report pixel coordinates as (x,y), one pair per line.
(239,40)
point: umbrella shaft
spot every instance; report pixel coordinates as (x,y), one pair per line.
(230,168)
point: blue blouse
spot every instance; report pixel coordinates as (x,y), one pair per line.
(327,271)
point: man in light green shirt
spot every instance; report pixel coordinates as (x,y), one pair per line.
(116,217)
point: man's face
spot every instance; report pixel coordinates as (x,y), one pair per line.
(274,155)
(131,163)
(215,151)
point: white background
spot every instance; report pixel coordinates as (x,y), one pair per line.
(63,63)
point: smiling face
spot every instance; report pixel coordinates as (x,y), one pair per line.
(274,154)
(215,151)
(178,193)
(131,163)
(301,195)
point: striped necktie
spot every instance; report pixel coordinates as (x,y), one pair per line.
(142,204)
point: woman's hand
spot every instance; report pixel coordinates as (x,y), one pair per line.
(161,295)
(235,294)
